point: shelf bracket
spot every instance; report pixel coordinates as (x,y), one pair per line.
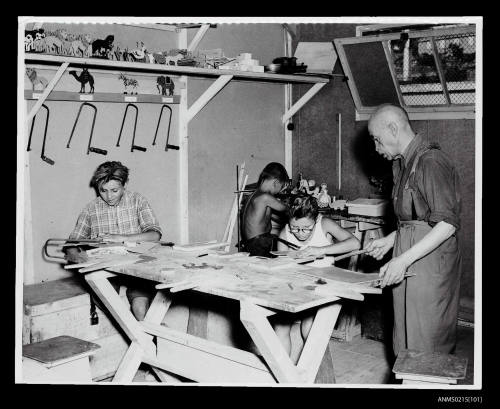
(198,37)
(205,98)
(302,101)
(47,90)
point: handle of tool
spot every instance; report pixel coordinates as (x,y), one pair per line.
(172,147)
(138,148)
(48,160)
(352,253)
(99,151)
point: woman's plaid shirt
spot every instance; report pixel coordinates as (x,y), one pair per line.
(132,215)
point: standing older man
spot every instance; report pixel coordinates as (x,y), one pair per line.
(427,205)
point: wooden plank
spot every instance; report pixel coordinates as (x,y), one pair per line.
(431,364)
(268,344)
(31,58)
(158,308)
(203,366)
(57,350)
(317,340)
(129,364)
(226,352)
(103,97)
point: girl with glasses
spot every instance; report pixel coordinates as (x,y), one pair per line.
(316,235)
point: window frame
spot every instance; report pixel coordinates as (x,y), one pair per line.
(452,111)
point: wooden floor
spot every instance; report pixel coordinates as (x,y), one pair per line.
(366,361)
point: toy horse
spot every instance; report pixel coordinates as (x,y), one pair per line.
(101,48)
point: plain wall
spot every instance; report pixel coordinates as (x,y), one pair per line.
(315,144)
(241,124)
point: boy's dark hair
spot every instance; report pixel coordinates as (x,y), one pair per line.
(304,206)
(109,171)
(274,170)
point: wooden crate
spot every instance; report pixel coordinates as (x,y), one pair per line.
(62,307)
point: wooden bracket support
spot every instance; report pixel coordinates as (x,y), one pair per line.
(205,98)
(198,37)
(302,101)
(46,91)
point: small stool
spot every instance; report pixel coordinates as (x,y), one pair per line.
(60,359)
(416,367)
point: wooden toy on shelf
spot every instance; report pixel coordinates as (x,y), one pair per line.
(102,48)
(139,54)
(164,83)
(83,78)
(129,82)
(35,79)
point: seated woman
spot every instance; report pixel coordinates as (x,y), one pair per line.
(117,215)
(316,236)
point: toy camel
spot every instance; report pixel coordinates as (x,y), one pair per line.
(83,78)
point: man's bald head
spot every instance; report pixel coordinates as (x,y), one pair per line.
(387,113)
(391,130)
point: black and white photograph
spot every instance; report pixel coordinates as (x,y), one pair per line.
(250,201)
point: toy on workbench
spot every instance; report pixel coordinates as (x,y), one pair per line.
(83,78)
(323,197)
(102,48)
(129,83)
(164,83)
(35,79)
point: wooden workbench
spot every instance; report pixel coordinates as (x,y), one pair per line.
(262,287)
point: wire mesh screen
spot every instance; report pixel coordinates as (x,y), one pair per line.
(436,70)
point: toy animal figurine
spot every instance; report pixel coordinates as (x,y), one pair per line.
(101,48)
(159,58)
(87,42)
(65,43)
(83,78)
(139,55)
(53,45)
(129,82)
(35,79)
(77,48)
(30,36)
(164,82)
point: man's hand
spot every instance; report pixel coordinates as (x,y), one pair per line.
(393,272)
(379,247)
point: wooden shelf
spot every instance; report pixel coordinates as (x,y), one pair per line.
(48,59)
(103,97)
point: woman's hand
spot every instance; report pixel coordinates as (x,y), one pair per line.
(379,247)
(393,272)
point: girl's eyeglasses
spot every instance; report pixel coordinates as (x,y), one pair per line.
(301,229)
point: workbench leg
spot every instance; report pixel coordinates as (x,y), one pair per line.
(255,320)
(130,364)
(317,340)
(141,342)
(156,312)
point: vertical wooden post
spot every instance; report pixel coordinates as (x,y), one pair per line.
(184,148)
(288,104)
